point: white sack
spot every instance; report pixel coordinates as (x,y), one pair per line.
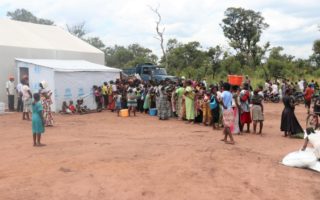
(302,159)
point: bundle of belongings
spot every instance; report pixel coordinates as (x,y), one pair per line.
(306,157)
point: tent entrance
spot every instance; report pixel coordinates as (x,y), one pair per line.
(24,71)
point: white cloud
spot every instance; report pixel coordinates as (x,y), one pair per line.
(293,23)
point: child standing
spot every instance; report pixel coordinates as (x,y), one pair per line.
(206,112)
(118,98)
(37,120)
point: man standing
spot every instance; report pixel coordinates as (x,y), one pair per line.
(10,92)
(19,93)
(301,85)
(308,96)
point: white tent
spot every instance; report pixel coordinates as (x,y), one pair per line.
(35,41)
(67,79)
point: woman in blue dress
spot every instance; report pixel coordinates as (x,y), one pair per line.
(37,120)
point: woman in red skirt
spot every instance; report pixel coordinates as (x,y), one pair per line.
(245,117)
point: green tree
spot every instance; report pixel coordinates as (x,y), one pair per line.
(181,56)
(120,56)
(243,28)
(279,64)
(96,42)
(215,58)
(315,57)
(230,65)
(26,16)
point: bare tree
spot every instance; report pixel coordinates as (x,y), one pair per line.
(160,33)
(78,30)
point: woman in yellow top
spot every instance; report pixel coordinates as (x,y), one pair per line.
(189,102)
(104,92)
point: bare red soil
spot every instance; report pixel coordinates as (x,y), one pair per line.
(102,156)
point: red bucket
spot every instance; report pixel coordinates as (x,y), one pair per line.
(235,80)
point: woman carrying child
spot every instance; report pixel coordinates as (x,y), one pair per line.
(46,104)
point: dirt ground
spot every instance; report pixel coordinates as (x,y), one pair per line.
(102,156)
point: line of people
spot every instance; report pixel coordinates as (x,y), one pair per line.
(25,99)
(191,101)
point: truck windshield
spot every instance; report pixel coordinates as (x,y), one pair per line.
(160,71)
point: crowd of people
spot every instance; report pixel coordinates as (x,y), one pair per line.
(289,91)
(39,104)
(221,106)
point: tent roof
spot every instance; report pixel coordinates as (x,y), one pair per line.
(69,65)
(30,35)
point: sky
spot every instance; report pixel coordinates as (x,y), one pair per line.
(294,24)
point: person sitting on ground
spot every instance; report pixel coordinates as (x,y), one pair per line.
(65,109)
(71,107)
(82,109)
(314,138)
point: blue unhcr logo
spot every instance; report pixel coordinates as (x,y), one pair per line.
(37,69)
(56,93)
(67,93)
(80,92)
(36,87)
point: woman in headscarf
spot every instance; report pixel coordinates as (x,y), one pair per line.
(179,93)
(46,103)
(164,105)
(189,102)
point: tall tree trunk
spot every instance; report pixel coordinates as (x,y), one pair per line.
(160,35)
